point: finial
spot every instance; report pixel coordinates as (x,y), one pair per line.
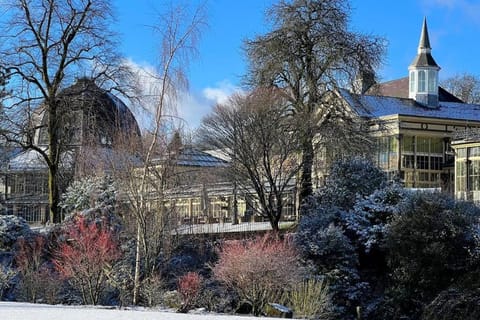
(424,42)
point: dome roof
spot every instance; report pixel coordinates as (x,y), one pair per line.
(89,114)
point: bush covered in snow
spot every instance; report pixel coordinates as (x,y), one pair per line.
(384,249)
(432,244)
(12,228)
(89,193)
(350,178)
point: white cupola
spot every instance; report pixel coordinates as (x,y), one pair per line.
(423,73)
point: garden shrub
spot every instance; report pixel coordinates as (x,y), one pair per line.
(86,257)
(310,299)
(189,286)
(37,282)
(454,304)
(258,270)
(432,244)
(12,228)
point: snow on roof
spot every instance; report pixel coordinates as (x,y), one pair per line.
(380,106)
(32,160)
(192,157)
(27,160)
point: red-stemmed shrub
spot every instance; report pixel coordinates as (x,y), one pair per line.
(86,256)
(189,286)
(37,280)
(259,270)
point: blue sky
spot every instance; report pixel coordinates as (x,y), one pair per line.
(454,28)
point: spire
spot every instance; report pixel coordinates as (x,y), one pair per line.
(423,73)
(424,42)
(424,57)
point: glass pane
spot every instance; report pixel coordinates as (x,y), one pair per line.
(412,81)
(421,81)
(408,144)
(431,81)
(436,145)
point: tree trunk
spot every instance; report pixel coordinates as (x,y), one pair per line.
(53,195)
(306,173)
(53,156)
(136,280)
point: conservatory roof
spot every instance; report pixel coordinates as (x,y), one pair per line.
(380,106)
(190,156)
(32,160)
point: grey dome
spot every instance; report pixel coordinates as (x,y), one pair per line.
(90,115)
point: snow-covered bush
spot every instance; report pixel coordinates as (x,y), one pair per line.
(335,260)
(6,278)
(370,217)
(348,179)
(88,193)
(12,228)
(343,220)
(431,244)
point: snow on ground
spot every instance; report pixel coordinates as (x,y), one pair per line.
(29,311)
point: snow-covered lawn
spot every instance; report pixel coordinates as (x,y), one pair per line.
(28,311)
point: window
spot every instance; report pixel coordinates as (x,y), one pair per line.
(474,176)
(461,153)
(421,81)
(423,145)
(422,163)
(408,161)
(461,172)
(436,146)
(474,152)
(408,144)
(32,214)
(432,79)
(412,81)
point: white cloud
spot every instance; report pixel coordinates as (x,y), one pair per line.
(188,109)
(194,106)
(221,92)
(470,9)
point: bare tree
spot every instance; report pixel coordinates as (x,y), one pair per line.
(144,176)
(45,44)
(259,135)
(309,53)
(466,87)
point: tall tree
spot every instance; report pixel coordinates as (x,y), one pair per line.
(310,52)
(149,171)
(257,133)
(45,44)
(466,87)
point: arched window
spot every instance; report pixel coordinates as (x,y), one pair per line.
(421,81)
(412,81)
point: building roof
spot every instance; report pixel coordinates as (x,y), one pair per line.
(399,89)
(97,111)
(380,106)
(189,156)
(192,157)
(31,160)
